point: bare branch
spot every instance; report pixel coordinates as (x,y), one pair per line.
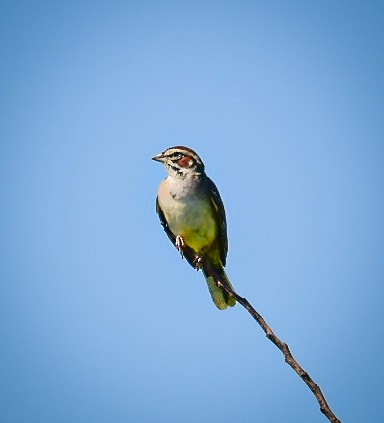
(283,347)
(190,256)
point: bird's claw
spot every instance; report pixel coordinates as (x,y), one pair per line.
(198,262)
(180,245)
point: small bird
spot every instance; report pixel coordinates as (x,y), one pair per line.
(193,216)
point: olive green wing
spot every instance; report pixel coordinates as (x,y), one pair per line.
(218,208)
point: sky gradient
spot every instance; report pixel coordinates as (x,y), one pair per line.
(100,319)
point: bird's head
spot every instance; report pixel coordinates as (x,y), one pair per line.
(180,161)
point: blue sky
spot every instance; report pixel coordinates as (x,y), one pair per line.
(100,319)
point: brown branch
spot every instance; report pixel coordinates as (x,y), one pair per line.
(190,256)
(283,347)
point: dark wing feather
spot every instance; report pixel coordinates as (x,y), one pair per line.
(218,207)
(164,223)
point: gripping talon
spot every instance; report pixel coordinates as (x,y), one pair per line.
(179,245)
(198,262)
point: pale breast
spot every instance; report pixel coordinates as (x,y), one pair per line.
(188,216)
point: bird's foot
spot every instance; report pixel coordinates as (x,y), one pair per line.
(180,245)
(198,262)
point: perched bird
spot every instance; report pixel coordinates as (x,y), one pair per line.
(192,214)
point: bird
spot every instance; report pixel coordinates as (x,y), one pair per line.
(192,214)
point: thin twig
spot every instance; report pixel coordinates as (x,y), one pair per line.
(283,347)
(190,256)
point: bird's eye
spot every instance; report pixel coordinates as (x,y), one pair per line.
(177,156)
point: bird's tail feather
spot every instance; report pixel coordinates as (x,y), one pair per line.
(221,298)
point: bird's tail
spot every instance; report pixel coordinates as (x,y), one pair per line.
(221,298)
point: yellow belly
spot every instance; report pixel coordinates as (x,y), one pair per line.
(200,237)
(194,222)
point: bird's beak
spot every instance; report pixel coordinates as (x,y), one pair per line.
(159,158)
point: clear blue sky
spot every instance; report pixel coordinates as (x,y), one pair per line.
(100,319)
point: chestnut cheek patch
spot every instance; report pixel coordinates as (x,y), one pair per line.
(186,162)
